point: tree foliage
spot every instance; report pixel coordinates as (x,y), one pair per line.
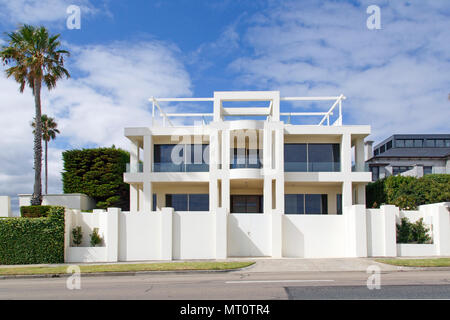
(97,173)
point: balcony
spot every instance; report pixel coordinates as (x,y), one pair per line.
(312,166)
(134,168)
(361,167)
(183,167)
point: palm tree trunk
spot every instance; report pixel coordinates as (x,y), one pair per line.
(46,167)
(36,199)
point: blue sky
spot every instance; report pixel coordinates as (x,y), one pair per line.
(396,79)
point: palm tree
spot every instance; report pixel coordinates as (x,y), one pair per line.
(49,131)
(35,59)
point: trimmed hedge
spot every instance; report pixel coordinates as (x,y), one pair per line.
(97,173)
(408,192)
(34,211)
(33,241)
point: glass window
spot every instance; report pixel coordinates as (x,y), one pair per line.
(447,143)
(313,204)
(154,202)
(440,143)
(389,145)
(375,173)
(418,143)
(400,143)
(382,148)
(294,204)
(179,202)
(339,203)
(430,143)
(376,152)
(323,157)
(295,157)
(427,170)
(409,143)
(198,202)
(246,204)
(400,169)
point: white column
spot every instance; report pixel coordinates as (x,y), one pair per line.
(5,206)
(112,234)
(226,169)
(134,198)
(166,233)
(389,212)
(147,192)
(346,153)
(279,182)
(134,156)
(277,240)
(213,194)
(361,192)
(359,155)
(221,233)
(268,195)
(346,195)
(356,232)
(441,226)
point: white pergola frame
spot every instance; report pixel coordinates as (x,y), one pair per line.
(258,111)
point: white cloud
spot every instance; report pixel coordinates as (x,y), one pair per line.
(396,78)
(91,110)
(41,11)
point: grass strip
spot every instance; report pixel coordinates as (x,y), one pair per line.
(434,262)
(169,266)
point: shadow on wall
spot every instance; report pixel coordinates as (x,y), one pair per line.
(240,239)
(294,244)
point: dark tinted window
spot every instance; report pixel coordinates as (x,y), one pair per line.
(440,143)
(409,143)
(389,145)
(313,204)
(382,148)
(418,143)
(294,204)
(323,157)
(400,143)
(154,202)
(427,170)
(430,143)
(339,203)
(246,204)
(199,202)
(179,202)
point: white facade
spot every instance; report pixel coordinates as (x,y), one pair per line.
(69,200)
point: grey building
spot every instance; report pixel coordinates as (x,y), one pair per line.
(409,155)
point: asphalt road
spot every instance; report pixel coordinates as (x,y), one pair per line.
(238,285)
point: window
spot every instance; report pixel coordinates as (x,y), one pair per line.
(246,158)
(389,145)
(181,158)
(400,143)
(418,143)
(154,202)
(376,152)
(188,202)
(400,169)
(382,148)
(306,204)
(427,170)
(409,143)
(447,143)
(430,143)
(247,204)
(339,203)
(323,157)
(375,173)
(295,157)
(294,204)
(440,143)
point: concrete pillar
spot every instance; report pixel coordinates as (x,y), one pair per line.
(112,234)
(361,194)
(440,214)
(134,156)
(277,238)
(359,155)
(5,206)
(368,150)
(134,198)
(147,197)
(356,232)
(267,195)
(389,212)
(346,194)
(213,195)
(346,153)
(226,194)
(221,233)
(166,233)
(141,197)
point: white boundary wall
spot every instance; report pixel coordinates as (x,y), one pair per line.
(167,235)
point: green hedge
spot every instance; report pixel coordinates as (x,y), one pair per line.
(97,173)
(33,241)
(408,192)
(34,211)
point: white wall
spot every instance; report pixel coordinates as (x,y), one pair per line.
(249,235)
(314,236)
(76,201)
(5,206)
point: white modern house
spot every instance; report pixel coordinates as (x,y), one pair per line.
(247,178)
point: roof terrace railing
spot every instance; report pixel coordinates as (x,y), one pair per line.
(259,111)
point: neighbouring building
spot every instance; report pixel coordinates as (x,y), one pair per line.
(409,155)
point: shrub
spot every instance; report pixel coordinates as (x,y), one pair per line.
(33,241)
(408,232)
(97,173)
(95,238)
(409,192)
(77,236)
(34,211)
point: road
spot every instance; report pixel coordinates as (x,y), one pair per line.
(238,285)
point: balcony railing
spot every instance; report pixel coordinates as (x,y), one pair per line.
(135,168)
(361,167)
(183,167)
(312,166)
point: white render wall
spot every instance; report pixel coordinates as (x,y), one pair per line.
(77,201)
(5,206)
(168,235)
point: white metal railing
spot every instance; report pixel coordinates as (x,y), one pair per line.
(241,111)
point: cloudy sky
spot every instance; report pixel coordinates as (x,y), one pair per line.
(396,78)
